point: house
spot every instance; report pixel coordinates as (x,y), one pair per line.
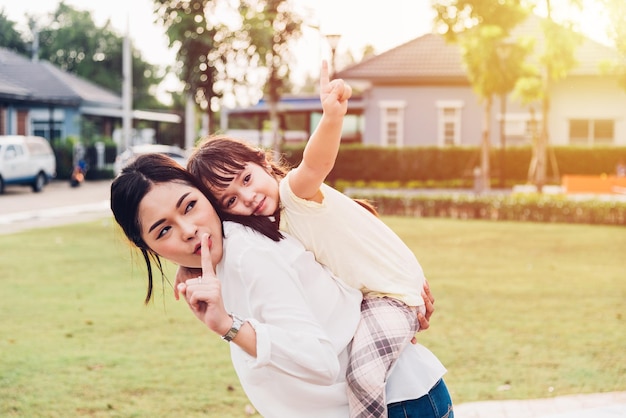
(418,94)
(37,98)
(299,116)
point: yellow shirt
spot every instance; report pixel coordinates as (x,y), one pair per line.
(355,245)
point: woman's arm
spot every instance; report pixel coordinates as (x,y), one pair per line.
(204,296)
(281,331)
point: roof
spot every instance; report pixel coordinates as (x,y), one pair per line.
(431,60)
(589,54)
(40,81)
(293,104)
(427,59)
(25,80)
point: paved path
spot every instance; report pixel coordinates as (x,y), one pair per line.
(599,405)
(57,204)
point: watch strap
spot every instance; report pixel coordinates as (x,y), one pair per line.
(234,329)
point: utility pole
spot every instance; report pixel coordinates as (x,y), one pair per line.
(127,90)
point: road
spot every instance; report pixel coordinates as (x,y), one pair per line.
(57,204)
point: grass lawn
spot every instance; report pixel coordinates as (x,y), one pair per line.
(523,310)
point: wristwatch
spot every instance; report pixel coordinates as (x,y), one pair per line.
(234,329)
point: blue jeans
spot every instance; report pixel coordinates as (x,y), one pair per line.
(435,404)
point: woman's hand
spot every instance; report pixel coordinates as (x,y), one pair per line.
(182,275)
(204,294)
(429,303)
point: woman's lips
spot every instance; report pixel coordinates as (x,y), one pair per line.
(198,250)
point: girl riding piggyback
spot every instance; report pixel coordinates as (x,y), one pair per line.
(344,236)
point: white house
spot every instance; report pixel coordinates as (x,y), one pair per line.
(418,94)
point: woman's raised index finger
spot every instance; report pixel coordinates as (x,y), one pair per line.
(205,254)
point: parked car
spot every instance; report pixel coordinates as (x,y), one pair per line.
(176,153)
(26,161)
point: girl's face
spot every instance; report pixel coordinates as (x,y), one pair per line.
(253,191)
(173,217)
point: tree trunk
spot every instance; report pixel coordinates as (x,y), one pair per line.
(502,141)
(542,146)
(275,126)
(485,148)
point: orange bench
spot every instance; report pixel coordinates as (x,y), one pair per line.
(602,184)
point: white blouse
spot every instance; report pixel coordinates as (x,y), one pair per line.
(304,320)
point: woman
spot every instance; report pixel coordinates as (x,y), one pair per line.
(288,320)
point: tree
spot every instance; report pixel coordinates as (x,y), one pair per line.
(616,10)
(73,42)
(215,58)
(556,60)
(201,47)
(482,29)
(267,29)
(10,38)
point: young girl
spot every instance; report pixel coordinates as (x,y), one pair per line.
(357,246)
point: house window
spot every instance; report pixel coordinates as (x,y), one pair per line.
(3,123)
(449,122)
(519,128)
(47,124)
(392,123)
(591,131)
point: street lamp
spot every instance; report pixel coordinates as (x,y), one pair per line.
(333,41)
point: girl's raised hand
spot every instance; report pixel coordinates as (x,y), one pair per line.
(334,94)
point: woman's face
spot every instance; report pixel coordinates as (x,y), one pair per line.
(173,218)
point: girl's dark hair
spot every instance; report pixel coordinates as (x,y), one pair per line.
(216,162)
(131,186)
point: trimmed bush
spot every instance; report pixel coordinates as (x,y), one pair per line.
(455,165)
(533,208)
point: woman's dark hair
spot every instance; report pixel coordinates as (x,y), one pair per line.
(131,186)
(216,162)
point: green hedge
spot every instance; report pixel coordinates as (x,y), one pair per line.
(456,164)
(535,208)
(65,159)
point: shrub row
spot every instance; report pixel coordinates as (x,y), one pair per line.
(431,164)
(534,208)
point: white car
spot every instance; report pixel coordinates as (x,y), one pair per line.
(176,153)
(26,161)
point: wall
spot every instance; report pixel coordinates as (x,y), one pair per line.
(587,98)
(421,113)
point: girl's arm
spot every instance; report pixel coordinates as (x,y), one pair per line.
(322,148)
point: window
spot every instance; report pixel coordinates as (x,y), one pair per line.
(42,120)
(591,131)
(519,128)
(13,151)
(449,122)
(392,123)
(3,124)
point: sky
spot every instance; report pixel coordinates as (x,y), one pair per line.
(384,26)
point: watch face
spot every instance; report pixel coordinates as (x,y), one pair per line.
(234,329)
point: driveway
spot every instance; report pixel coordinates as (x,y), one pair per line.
(57,204)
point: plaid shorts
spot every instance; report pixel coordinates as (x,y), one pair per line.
(387,326)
